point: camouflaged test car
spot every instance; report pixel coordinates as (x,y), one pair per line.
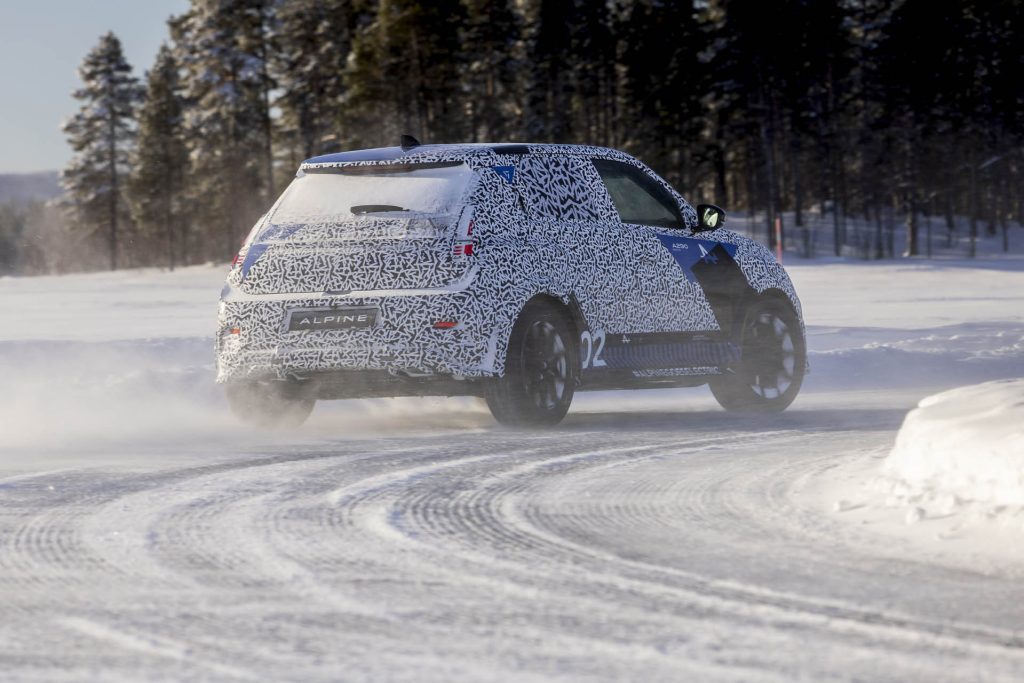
(521,273)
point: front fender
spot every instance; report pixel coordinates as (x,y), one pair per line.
(764,273)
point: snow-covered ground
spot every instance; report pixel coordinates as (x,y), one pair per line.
(952,486)
(145,535)
(963,446)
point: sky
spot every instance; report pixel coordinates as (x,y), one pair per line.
(42,43)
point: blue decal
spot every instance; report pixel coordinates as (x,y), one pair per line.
(506,172)
(278,232)
(252,256)
(689,251)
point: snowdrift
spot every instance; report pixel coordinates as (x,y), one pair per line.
(962,446)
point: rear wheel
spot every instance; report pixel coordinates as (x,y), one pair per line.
(267,404)
(541,369)
(772,362)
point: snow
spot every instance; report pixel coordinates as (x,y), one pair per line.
(952,485)
(333,195)
(965,445)
(145,535)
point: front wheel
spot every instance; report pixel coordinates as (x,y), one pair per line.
(267,404)
(773,359)
(541,370)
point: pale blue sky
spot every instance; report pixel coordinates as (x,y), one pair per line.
(42,42)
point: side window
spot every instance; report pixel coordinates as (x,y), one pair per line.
(637,197)
(556,187)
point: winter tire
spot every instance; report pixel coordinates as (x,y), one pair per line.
(267,404)
(541,369)
(772,361)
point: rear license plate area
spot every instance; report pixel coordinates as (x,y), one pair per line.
(304,319)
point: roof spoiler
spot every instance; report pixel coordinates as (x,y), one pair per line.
(409,142)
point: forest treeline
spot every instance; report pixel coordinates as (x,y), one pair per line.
(856,108)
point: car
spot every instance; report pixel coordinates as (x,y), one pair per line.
(519,273)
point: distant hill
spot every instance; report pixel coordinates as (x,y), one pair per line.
(24,187)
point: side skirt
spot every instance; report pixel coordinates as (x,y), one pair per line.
(347,384)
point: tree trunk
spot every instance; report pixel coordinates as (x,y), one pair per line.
(768,133)
(911,198)
(840,200)
(950,222)
(718,160)
(837,233)
(1004,209)
(928,230)
(114,190)
(890,225)
(751,178)
(798,184)
(879,241)
(974,201)
(830,192)
(993,210)
(268,150)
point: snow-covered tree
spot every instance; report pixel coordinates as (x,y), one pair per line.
(101,134)
(222,46)
(405,71)
(311,41)
(160,163)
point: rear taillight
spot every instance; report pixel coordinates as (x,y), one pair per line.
(464,235)
(248,239)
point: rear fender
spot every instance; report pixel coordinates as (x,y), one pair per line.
(512,274)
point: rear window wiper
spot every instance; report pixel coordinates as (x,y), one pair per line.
(361,209)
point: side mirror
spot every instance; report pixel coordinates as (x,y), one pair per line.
(709,217)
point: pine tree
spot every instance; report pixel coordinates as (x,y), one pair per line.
(101,134)
(404,73)
(492,90)
(311,41)
(160,163)
(660,85)
(549,77)
(12,230)
(222,46)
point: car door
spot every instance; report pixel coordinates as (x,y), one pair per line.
(659,249)
(673,323)
(569,225)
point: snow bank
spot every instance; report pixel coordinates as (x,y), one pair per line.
(965,445)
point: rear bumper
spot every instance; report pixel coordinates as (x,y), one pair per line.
(339,384)
(253,342)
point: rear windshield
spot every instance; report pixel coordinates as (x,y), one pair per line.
(372,193)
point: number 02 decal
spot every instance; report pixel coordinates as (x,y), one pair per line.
(593,346)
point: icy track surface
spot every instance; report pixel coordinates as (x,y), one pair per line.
(145,536)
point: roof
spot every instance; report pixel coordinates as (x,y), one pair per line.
(489,152)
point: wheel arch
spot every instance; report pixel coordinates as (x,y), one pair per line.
(566,303)
(784,297)
(776,294)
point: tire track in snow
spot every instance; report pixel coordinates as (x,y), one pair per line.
(481,518)
(704,503)
(464,552)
